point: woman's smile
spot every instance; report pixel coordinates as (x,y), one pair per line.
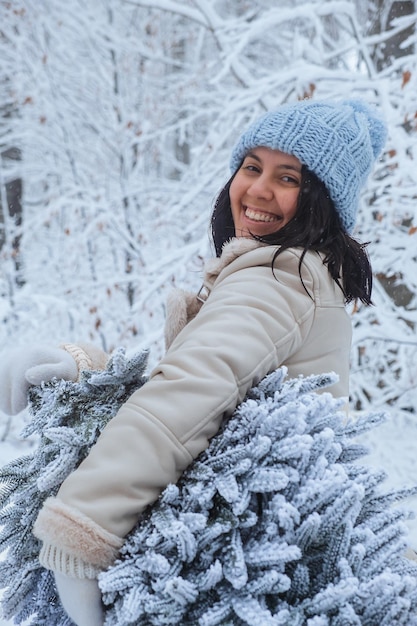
(264,193)
(259,216)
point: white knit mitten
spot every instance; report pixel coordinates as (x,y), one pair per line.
(22,367)
(81,599)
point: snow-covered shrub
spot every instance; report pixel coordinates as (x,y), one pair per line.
(275,523)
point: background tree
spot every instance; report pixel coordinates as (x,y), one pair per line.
(124,116)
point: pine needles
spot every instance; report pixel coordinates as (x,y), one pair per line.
(276,523)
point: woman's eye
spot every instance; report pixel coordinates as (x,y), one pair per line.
(290,179)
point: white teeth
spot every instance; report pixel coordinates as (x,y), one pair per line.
(259,217)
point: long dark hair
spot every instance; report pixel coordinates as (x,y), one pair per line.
(315,226)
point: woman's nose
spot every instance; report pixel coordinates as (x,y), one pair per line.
(261,188)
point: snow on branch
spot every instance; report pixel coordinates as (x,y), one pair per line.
(277,522)
(124,115)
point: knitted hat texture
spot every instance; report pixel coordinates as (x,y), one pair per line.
(338,141)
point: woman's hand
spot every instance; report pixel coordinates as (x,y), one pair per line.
(81,599)
(32,365)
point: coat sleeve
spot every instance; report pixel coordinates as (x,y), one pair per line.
(251,323)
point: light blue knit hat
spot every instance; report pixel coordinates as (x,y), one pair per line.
(338,141)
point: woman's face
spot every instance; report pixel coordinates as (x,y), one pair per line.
(264,193)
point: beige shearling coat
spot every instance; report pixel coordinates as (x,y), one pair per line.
(252,321)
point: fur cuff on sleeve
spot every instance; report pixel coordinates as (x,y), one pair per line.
(73,544)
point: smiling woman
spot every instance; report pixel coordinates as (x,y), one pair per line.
(264,193)
(275,295)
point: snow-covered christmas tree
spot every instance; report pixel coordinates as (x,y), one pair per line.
(277,522)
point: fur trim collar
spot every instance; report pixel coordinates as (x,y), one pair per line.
(183,306)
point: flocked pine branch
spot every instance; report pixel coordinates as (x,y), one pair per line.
(67,418)
(275,523)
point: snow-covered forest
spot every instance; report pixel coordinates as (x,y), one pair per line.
(116,123)
(117,120)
